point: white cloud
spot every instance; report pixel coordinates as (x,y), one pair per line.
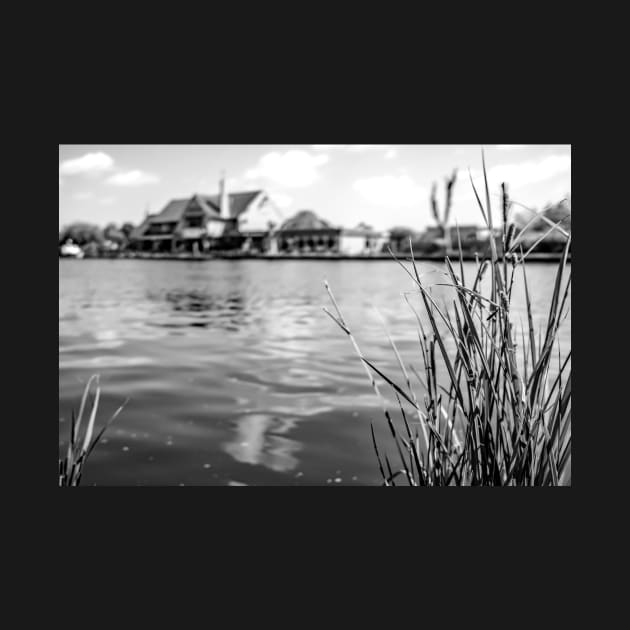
(390,190)
(82,196)
(517,175)
(88,163)
(293,169)
(133,178)
(530,172)
(391,154)
(281,200)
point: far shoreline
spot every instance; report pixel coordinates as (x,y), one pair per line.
(533,257)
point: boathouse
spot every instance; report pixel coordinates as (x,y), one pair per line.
(307,233)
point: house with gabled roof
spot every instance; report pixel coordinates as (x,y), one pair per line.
(205,222)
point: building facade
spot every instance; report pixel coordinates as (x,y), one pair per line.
(240,220)
(248,222)
(306,233)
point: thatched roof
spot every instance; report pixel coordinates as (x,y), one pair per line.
(305,220)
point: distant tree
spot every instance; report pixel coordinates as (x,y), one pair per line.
(559,212)
(92,249)
(113,234)
(81,234)
(553,242)
(520,217)
(536,228)
(127,228)
(552,212)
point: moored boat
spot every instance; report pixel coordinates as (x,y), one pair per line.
(70,250)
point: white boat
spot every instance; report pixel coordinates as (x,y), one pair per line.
(70,250)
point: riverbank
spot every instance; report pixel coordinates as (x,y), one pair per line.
(533,257)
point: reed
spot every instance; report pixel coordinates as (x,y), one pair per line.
(490,421)
(80,448)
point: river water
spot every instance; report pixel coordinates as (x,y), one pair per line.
(234,374)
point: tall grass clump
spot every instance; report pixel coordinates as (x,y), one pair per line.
(71,468)
(494,419)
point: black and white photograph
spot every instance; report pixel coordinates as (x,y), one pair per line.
(314,315)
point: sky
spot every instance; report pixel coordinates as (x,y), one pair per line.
(381,185)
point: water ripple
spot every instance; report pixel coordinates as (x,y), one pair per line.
(232,370)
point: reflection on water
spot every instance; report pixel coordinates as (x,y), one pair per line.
(233,365)
(200,301)
(257,442)
(200,308)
